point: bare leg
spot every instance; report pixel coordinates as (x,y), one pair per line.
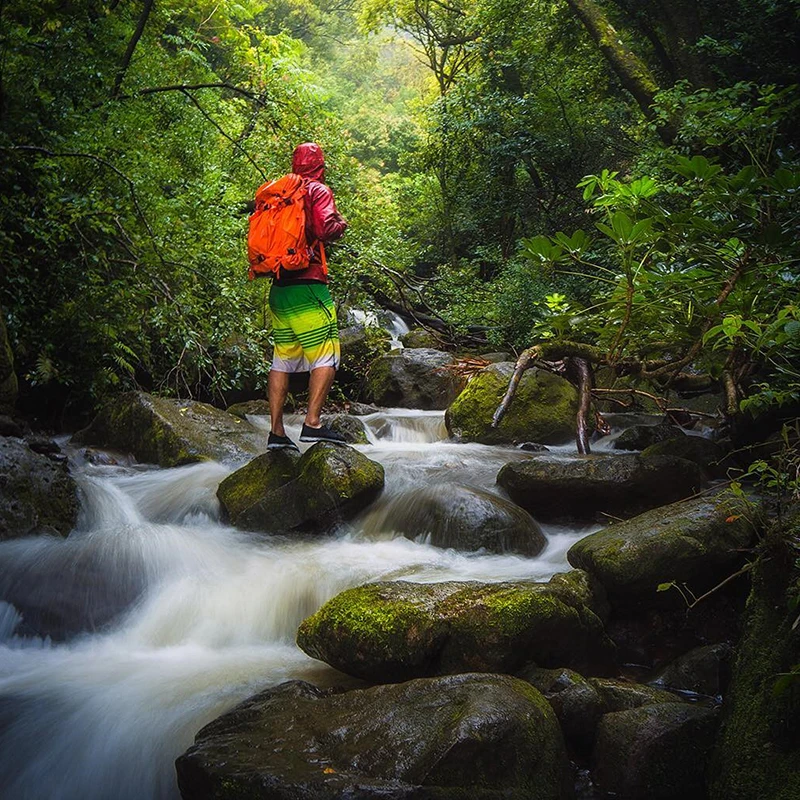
(278,391)
(319,384)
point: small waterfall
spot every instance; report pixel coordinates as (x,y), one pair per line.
(405,426)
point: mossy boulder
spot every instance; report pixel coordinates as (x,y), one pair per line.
(421,337)
(543,409)
(413,378)
(8,378)
(167,432)
(756,754)
(639,437)
(282,491)
(703,670)
(395,631)
(620,695)
(360,347)
(710,456)
(349,426)
(462,737)
(257,408)
(37,492)
(587,488)
(695,542)
(658,752)
(461,517)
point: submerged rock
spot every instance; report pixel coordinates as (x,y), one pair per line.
(463,737)
(158,430)
(395,631)
(282,491)
(413,378)
(658,752)
(37,492)
(543,409)
(461,517)
(583,489)
(695,542)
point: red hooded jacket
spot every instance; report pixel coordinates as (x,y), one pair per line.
(323,221)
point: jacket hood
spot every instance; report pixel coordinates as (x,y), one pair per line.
(309,161)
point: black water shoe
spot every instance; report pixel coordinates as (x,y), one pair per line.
(323,434)
(275,442)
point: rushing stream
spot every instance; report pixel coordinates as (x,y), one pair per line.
(202,615)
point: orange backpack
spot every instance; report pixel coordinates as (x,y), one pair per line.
(277,237)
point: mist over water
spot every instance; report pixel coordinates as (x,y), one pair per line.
(157,618)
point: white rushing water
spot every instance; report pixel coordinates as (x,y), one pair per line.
(193,616)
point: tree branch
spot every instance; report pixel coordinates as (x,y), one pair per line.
(137,34)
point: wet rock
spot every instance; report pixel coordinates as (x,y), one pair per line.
(360,347)
(533,447)
(421,337)
(36,492)
(257,408)
(10,427)
(582,489)
(169,433)
(413,378)
(43,445)
(463,737)
(581,587)
(617,695)
(496,358)
(351,427)
(658,752)
(543,410)
(461,517)
(281,491)
(395,631)
(639,437)
(703,670)
(710,456)
(362,409)
(695,542)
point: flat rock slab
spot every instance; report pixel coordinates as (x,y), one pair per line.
(696,542)
(159,430)
(281,491)
(396,631)
(585,489)
(463,737)
(543,410)
(37,492)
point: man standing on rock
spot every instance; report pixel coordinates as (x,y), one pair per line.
(304,325)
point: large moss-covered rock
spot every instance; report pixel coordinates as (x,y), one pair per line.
(37,493)
(756,754)
(281,491)
(413,378)
(584,489)
(159,430)
(695,542)
(461,517)
(395,631)
(710,456)
(639,437)
(421,337)
(8,378)
(658,752)
(543,409)
(360,347)
(463,737)
(257,408)
(349,426)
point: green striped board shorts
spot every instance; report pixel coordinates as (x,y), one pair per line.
(304,328)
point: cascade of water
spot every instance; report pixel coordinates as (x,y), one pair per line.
(181,617)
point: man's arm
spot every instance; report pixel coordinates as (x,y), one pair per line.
(323,220)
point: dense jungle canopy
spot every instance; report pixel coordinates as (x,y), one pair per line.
(599,178)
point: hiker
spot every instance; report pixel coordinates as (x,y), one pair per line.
(304,325)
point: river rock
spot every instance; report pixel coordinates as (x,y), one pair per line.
(619,695)
(703,670)
(257,408)
(543,409)
(639,437)
(362,409)
(349,426)
(421,337)
(396,631)
(37,493)
(360,347)
(167,432)
(461,517)
(413,378)
(581,489)
(462,737)
(658,752)
(281,491)
(695,542)
(710,456)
